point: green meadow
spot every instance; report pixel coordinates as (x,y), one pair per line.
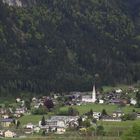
(99,107)
(30,119)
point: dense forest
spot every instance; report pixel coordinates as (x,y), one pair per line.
(66,45)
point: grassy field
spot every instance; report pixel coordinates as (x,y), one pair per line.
(99,107)
(66,138)
(118,126)
(30,119)
(110,88)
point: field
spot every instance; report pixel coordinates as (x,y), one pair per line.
(68,136)
(30,119)
(99,107)
(82,109)
(110,88)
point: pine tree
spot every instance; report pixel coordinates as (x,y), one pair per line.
(43,122)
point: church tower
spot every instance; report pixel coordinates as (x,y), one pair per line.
(94,94)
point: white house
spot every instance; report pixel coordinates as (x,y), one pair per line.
(37,129)
(117,114)
(18,100)
(101,101)
(96,115)
(133,101)
(9,134)
(60,130)
(110,119)
(30,126)
(118,90)
(20,110)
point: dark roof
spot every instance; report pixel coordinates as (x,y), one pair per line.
(109,117)
(6,120)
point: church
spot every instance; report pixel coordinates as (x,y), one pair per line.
(90,99)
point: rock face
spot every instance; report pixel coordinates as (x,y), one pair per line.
(20,3)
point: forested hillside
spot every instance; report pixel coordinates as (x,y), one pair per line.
(63,45)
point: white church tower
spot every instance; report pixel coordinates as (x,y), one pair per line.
(94,94)
(91,98)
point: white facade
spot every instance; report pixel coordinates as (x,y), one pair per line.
(9,134)
(30,126)
(133,101)
(96,115)
(91,99)
(101,101)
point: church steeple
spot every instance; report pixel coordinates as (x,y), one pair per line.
(94,94)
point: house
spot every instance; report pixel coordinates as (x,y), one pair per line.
(110,119)
(20,110)
(60,130)
(72,124)
(133,101)
(101,101)
(34,99)
(18,100)
(138,115)
(17,115)
(5,116)
(118,90)
(1,133)
(36,129)
(115,101)
(96,115)
(9,134)
(28,131)
(117,114)
(6,122)
(3,111)
(30,126)
(59,124)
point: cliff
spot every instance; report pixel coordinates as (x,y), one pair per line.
(20,3)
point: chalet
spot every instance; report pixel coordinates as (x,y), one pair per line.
(115,101)
(36,129)
(34,99)
(118,90)
(9,134)
(1,133)
(3,111)
(60,130)
(30,125)
(133,101)
(138,115)
(96,115)
(20,110)
(110,119)
(28,131)
(17,115)
(117,114)
(6,122)
(5,116)
(18,100)
(101,101)
(29,128)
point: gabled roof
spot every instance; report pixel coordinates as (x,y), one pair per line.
(6,120)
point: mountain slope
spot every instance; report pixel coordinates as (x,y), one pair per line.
(60,45)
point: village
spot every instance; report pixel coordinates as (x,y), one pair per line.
(61,113)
